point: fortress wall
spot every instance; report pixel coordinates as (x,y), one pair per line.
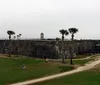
(48,48)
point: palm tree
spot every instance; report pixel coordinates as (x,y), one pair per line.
(10,33)
(14,37)
(18,36)
(63,32)
(72,32)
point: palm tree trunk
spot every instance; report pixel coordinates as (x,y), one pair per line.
(9,51)
(9,37)
(71,62)
(62,53)
(72,37)
(71,50)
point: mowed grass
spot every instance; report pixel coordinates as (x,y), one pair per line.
(11,69)
(90,77)
(83,78)
(80,62)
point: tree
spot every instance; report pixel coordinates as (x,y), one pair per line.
(18,36)
(63,32)
(10,33)
(14,37)
(72,32)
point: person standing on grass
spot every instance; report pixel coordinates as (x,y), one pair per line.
(23,66)
(46,60)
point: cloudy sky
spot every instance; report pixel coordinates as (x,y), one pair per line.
(31,17)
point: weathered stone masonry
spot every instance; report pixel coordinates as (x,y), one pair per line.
(48,48)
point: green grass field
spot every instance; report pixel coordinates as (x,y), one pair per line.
(11,71)
(90,77)
(80,62)
(83,78)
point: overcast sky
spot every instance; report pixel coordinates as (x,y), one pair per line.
(31,17)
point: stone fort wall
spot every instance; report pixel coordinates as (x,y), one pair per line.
(48,48)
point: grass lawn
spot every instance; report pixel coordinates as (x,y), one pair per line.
(10,69)
(80,62)
(90,77)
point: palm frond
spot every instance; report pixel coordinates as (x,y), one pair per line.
(9,32)
(73,30)
(62,31)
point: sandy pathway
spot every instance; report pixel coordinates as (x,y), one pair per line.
(82,68)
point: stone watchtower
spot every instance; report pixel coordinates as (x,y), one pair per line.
(42,36)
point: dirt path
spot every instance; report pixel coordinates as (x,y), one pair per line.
(82,68)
